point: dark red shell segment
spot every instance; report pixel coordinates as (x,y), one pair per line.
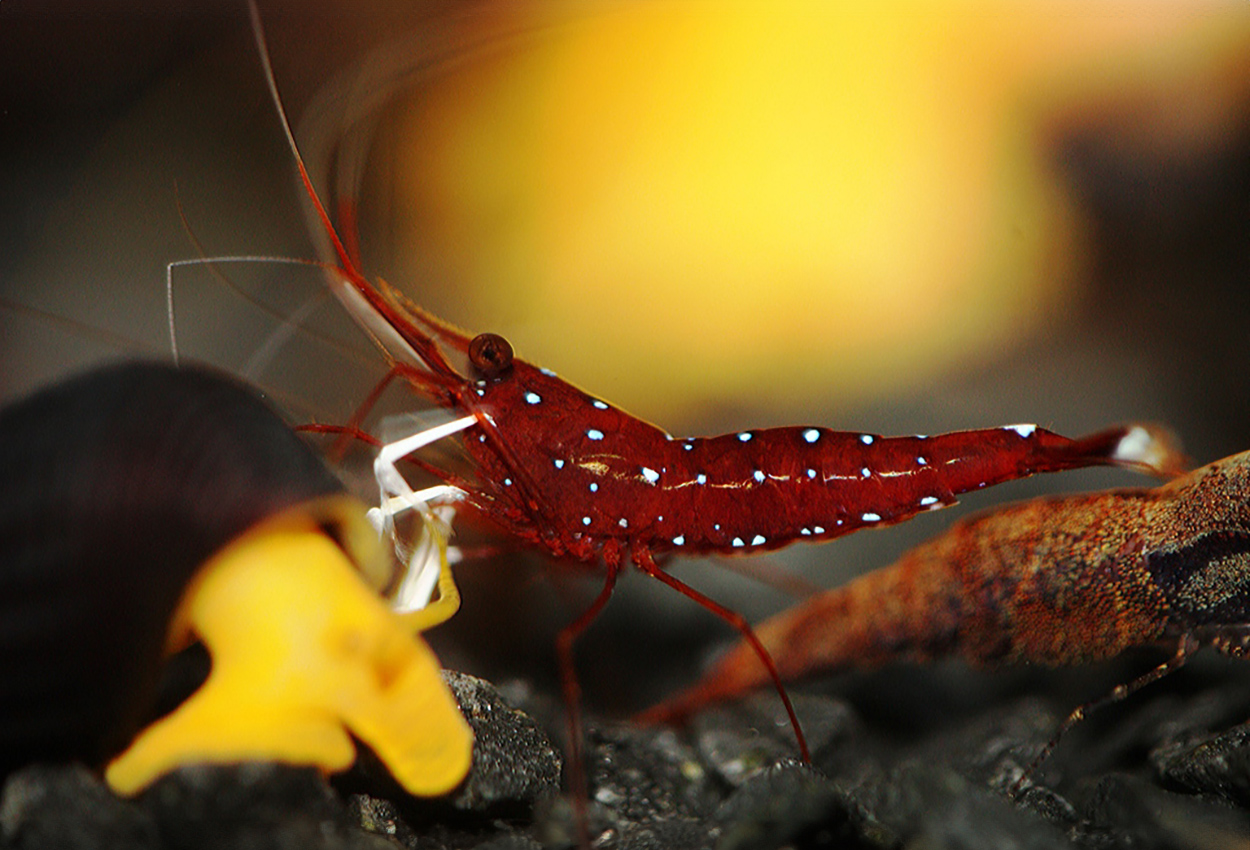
(571,472)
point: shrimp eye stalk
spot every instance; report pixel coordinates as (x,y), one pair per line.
(490,354)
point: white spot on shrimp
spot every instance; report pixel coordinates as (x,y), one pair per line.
(599,404)
(866,439)
(533,398)
(594,487)
(871,517)
(688,446)
(737,541)
(481,438)
(817,529)
(585,520)
(700,479)
(594,434)
(660,518)
(480,392)
(481,383)
(921,460)
(559,463)
(547,372)
(759,476)
(806,532)
(811,473)
(758,540)
(716,526)
(866,472)
(929,500)
(507,482)
(650,475)
(622,522)
(679,540)
(1023,430)
(745,436)
(811,435)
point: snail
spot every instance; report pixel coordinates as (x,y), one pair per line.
(144,507)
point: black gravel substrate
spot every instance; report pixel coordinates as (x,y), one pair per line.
(1170,769)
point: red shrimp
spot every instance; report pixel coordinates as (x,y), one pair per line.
(564,471)
(1053,581)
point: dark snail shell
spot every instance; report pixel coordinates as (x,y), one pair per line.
(114,487)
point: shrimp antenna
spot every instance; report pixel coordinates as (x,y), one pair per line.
(396,335)
(258,31)
(78,328)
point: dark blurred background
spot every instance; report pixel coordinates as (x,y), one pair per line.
(1081,184)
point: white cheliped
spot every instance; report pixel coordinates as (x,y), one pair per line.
(435,505)
(423,560)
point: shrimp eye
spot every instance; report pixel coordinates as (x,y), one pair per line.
(490,354)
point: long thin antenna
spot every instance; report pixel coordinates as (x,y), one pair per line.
(258,30)
(363,302)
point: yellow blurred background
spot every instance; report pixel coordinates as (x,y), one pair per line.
(698,210)
(696,203)
(918,218)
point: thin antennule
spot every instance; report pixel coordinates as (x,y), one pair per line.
(79,328)
(258,30)
(369,307)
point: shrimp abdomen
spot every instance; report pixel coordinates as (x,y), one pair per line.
(765,489)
